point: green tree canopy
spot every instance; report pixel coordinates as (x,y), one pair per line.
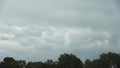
(106,60)
(110,59)
(9,60)
(69,61)
(88,63)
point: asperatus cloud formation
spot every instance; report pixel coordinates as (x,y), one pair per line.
(43,29)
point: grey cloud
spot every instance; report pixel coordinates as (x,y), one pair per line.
(52,41)
(6,36)
(42,14)
(46,29)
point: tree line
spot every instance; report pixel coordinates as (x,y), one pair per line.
(105,60)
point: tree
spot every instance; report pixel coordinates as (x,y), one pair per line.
(8,60)
(110,59)
(97,63)
(35,65)
(51,64)
(106,60)
(69,61)
(88,63)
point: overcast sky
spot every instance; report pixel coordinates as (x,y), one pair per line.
(43,29)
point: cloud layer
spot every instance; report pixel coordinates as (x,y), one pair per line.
(38,29)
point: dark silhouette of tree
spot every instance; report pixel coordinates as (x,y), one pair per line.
(9,62)
(36,65)
(51,64)
(69,61)
(106,60)
(110,59)
(88,63)
(98,64)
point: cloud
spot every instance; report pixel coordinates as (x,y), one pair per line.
(69,13)
(43,30)
(50,42)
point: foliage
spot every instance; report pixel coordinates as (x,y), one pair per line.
(105,60)
(88,63)
(9,62)
(69,61)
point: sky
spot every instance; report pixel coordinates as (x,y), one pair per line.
(37,30)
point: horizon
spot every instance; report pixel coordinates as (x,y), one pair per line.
(83,61)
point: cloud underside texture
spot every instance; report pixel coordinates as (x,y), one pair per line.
(43,29)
